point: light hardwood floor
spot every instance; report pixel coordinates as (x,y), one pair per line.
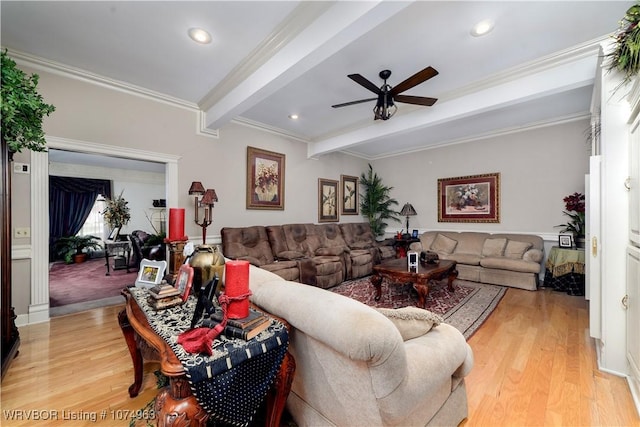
(534,365)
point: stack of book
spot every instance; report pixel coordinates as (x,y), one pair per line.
(164,296)
(245,328)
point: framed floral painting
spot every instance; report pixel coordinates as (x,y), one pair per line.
(349,185)
(327,200)
(474,198)
(265,179)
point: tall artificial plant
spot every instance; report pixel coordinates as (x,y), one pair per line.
(376,203)
(23,108)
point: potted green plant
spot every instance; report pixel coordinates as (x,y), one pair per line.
(117,213)
(75,247)
(376,203)
(625,56)
(23,108)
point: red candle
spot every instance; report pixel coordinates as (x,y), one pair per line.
(176,224)
(236,283)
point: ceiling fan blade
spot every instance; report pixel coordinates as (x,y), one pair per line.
(418,100)
(353,102)
(416,79)
(364,83)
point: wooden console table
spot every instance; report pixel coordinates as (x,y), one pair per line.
(175,404)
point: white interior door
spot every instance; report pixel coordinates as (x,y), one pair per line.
(592,252)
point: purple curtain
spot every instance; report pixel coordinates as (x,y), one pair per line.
(70,202)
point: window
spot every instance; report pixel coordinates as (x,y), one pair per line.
(94,225)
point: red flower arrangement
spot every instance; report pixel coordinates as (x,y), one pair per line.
(574,209)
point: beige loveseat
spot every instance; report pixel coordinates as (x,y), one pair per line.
(501,259)
(353,366)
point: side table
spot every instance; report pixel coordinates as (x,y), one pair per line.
(564,270)
(111,246)
(402,244)
(176,402)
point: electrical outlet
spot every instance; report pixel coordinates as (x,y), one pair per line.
(22,232)
(21,168)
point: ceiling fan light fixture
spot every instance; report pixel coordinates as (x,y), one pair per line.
(199,35)
(482,28)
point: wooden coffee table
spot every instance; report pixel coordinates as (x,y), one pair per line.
(397,272)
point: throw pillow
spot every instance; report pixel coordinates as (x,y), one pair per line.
(444,244)
(411,321)
(494,247)
(516,249)
(534,255)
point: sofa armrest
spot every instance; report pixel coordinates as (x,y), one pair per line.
(289,255)
(415,246)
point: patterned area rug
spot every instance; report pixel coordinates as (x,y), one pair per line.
(466,308)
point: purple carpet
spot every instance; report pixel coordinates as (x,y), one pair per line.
(75,283)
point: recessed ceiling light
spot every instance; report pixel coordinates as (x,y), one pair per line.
(482,28)
(293,116)
(199,35)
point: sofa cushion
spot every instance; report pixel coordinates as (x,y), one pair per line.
(443,244)
(504,263)
(468,259)
(533,255)
(516,249)
(289,255)
(493,247)
(412,322)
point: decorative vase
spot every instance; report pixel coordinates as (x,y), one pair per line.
(207,261)
(580,242)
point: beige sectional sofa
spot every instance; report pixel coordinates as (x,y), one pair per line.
(356,367)
(501,259)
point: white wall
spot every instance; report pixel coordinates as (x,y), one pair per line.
(537,167)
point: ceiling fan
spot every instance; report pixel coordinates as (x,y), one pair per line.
(387,95)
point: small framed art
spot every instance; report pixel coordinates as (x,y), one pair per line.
(327,200)
(184,281)
(414,234)
(114,233)
(150,273)
(565,241)
(349,205)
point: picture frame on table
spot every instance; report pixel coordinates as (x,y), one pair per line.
(327,200)
(350,199)
(265,179)
(414,234)
(114,233)
(184,281)
(150,273)
(565,241)
(473,198)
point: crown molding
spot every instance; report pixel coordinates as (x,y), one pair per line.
(67,71)
(270,129)
(481,136)
(109,150)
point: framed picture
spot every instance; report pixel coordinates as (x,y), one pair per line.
(327,200)
(184,280)
(150,273)
(474,198)
(350,200)
(414,234)
(114,234)
(265,179)
(565,241)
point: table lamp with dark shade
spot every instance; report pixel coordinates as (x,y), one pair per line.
(407,211)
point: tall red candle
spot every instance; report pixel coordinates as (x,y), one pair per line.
(236,283)
(176,224)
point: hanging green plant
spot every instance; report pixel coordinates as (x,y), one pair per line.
(23,108)
(626,54)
